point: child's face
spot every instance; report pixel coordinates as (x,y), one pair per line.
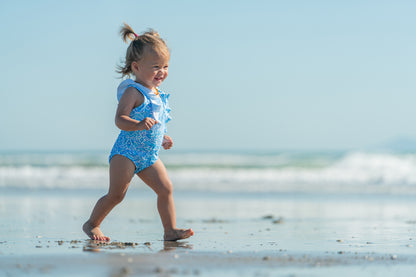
(152,70)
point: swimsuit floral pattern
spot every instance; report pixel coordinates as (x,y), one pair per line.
(142,147)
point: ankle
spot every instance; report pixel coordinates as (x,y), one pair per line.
(88,223)
(169,230)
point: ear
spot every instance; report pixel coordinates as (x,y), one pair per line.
(134,66)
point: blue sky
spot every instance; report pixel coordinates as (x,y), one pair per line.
(252,75)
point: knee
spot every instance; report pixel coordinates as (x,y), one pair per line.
(165,190)
(116,197)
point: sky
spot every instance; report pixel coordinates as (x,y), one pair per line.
(243,75)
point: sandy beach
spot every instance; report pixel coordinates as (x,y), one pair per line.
(235,235)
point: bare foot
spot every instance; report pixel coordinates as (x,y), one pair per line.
(177,234)
(94,232)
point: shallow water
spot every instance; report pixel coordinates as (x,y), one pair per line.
(223,222)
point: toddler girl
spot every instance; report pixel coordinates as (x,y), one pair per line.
(141,115)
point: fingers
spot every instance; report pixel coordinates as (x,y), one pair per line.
(167,145)
(167,142)
(167,138)
(147,123)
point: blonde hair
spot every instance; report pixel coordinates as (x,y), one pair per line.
(135,51)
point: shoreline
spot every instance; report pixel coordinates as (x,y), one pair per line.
(235,235)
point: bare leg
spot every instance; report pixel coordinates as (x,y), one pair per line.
(156,177)
(121,173)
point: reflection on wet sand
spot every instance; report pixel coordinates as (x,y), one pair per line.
(174,245)
(97,246)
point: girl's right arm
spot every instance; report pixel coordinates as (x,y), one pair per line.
(131,99)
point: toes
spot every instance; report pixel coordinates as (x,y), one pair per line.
(178,234)
(189,233)
(100,238)
(104,238)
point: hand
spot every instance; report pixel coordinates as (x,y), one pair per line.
(147,123)
(167,142)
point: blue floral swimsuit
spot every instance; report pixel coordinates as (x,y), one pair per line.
(142,147)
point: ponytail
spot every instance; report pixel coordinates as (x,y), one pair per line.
(137,45)
(127,33)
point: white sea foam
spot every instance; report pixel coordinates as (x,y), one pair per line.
(53,177)
(350,172)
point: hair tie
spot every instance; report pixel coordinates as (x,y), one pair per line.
(136,35)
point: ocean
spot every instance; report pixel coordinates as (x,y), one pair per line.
(295,172)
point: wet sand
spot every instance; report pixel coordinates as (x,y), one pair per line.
(235,235)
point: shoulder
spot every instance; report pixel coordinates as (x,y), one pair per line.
(134,92)
(123,87)
(132,95)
